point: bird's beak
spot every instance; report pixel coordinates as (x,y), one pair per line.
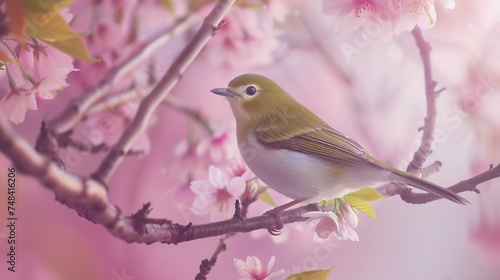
(225,92)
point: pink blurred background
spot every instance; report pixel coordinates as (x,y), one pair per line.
(376,95)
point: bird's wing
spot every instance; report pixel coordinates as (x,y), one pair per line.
(327,143)
(324,142)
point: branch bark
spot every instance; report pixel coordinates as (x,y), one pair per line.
(89,199)
(425,148)
(208,29)
(78,106)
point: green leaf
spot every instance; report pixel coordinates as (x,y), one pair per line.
(250,4)
(73,47)
(169,5)
(361,205)
(367,194)
(46,6)
(319,274)
(266,197)
(50,27)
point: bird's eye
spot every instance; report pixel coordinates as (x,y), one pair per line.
(251,90)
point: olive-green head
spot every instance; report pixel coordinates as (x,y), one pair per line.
(255,96)
(262,107)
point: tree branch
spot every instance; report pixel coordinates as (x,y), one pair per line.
(89,199)
(79,106)
(409,196)
(425,148)
(208,29)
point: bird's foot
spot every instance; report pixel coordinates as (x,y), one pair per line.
(276,229)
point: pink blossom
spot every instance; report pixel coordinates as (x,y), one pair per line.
(369,15)
(186,162)
(40,73)
(328,224)
(217,194)
(249,36)
(108,126)
(349,215)
(16,105)
(414,12)
(253,269)
(384,17)
(237,167)
(220,145)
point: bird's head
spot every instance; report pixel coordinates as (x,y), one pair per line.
(254,96)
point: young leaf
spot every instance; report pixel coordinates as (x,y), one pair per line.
(169,5)
(46,6)
(51,28)
(73,47)
(367,194)
(361,205)
(267,198)
(319,274)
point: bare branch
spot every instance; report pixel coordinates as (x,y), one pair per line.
(467,185)
(161,90)
(193,114)
(78,106)
(111,101)
(425,148)
(431,169)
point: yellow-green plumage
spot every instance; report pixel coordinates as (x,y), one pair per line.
(297,153)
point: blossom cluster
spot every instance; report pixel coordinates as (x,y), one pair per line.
(339,223)
(386,17)
(34,75)
(253,269)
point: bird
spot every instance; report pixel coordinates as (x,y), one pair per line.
(296,153)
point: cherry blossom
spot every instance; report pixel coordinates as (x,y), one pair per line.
(414,12)
(220,145)
(384,17)
(39,72)
(369,15)
(249,36)
(216,196)
(327,224)
(253,269)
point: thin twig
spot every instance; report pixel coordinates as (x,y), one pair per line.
(78,106)
(425,148)
(161,90)
(467,185)
(132,94)
(193,114)
(240,213)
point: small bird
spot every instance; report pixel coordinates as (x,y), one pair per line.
(299,155)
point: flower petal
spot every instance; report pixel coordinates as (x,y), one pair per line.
(217,177)
(236,186)
(202,205)
(349,215)
(241,267)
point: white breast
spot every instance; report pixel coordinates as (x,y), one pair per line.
(301,176)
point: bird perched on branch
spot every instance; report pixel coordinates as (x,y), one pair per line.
(299,155)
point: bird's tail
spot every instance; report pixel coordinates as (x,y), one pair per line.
(406,178)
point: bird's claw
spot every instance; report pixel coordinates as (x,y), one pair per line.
(276,229)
